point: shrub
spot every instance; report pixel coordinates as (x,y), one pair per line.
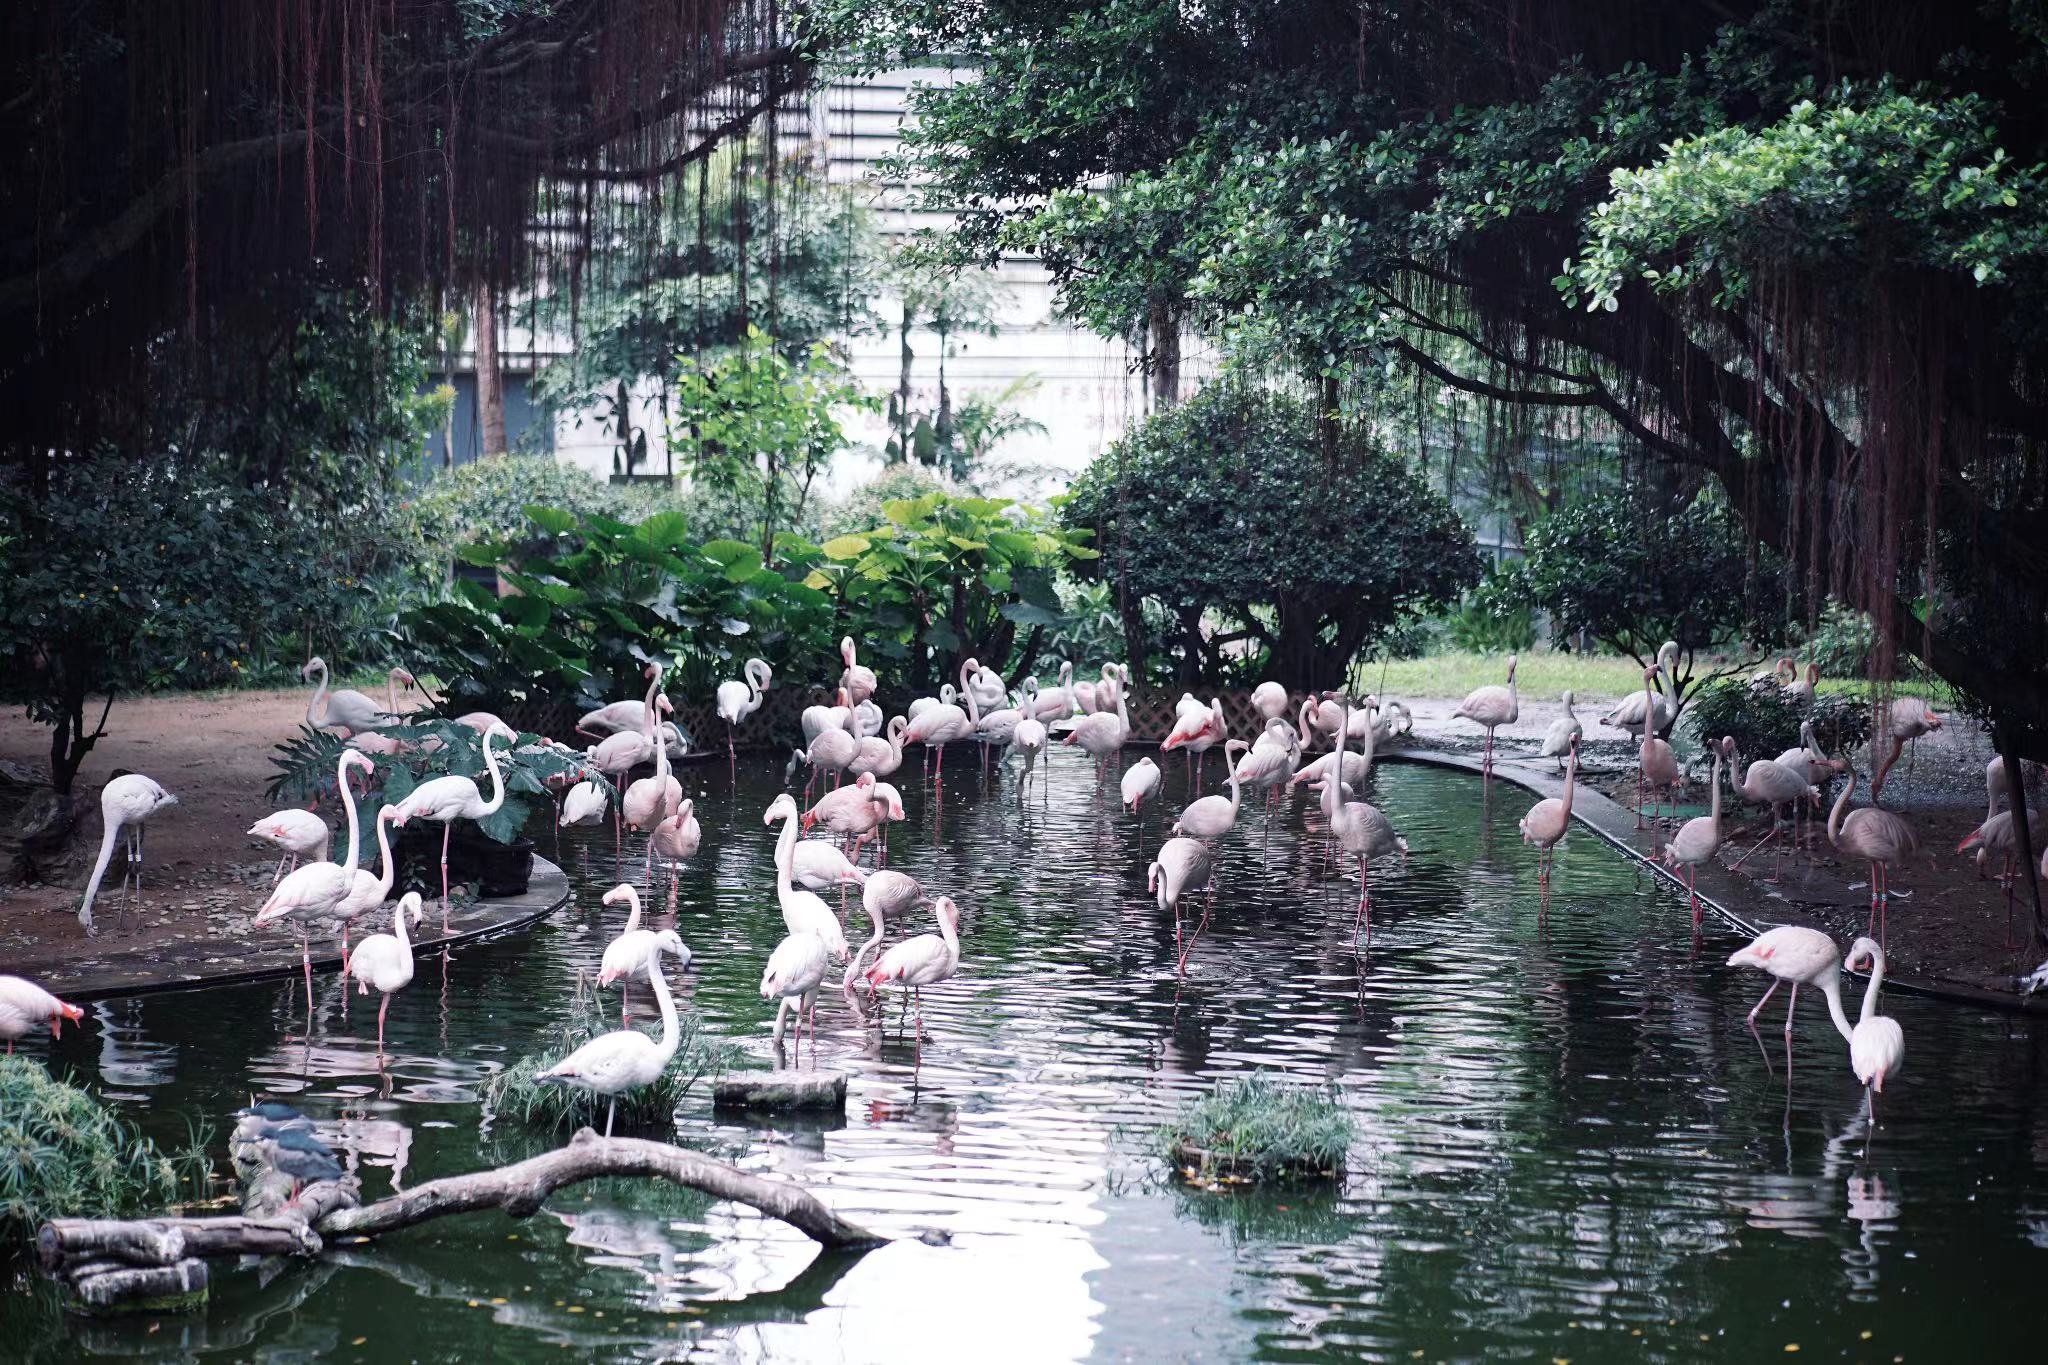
(515,1094)
(1842,642)
(1493,618)
(1257,1128)
(63,1154)
(1765,720)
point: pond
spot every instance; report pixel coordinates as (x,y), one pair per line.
(1568,1144)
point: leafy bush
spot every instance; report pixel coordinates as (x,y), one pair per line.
(515,1094)
(1634,576)
(862,506)
(63,1154)
(1229,506)
(1090,631)
(1257,1128)
(1842,643)
(1493,618)
(1765,720)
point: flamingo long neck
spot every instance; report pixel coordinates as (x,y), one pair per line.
(1869,1010)
(1714,802)
(1571,772)
(669,1036)
(1333,780)
(1649,707)
(388,874)
(1841,809)
(348,803)
(853,967)
(1123,716)
(1831,987)
(950,934)
(99,870)
(1367,743)
(785,852)
(648,713)
(490,807)
(398,931)
(761,666)
(967,689)
(391,691)
(316,709)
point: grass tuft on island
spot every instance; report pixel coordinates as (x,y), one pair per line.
(1256,1128)
(64,1154)
(516,1094)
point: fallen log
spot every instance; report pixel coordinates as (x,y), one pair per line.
(123,1264)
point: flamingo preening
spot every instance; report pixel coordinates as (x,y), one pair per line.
(1492,707)
(1140,781)
(299,833)
(857,680)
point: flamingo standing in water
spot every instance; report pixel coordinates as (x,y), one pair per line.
(802,909)
(923,961)
(1028,739)
(646,802)
(613,1063)
(1906,720)
(26,1007)
(739,699)
(385,960)
(1877,1045)
(1103,734)
(1197,729)
(1491,707)
(299,833)
(857,680)
(1271,700)
(794,972)
(126,803)
(1657,763)
(678,837)
(1212,817)
(367,889)
(937,726)
(448,799)
(1361,830)
(1804,957)
(1549,818)
(1879,838)
(1140,780)
(881,755)
(1183,865)
(852,811)
(1699,838)
(315,891)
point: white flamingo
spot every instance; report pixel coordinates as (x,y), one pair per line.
(1563,733)
(385,960)
(857,681)
(1492,707)
(1877,1045)
(299,833)
(794,972)
(445,800)
(803,911)
(1183,865)
(1804,957)
(1361,830)
(739,699)
(346,708)
(315,891)
(816,720)
(627,956)
(26,1007)
(1028,739)
(613,1063)
(127,803)
(1140,781)
(1627,714)
(367,889)
(923,961)
(678,837)
(1103,733)
(616,755)
(1212,817)
(937,726)
(1271,699)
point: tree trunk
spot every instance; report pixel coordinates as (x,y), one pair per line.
(1162,320)
(490,384)
(2023,834)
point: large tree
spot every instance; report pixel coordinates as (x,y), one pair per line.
(1793,247)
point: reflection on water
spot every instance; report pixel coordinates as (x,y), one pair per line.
(1568,1144)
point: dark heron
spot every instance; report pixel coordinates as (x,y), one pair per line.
(301,1156)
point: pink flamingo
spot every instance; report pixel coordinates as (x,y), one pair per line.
(314,891)
(1657,763)
(1876,836)
(1549,818)
(1492,707)
(1906,720)
(1103,733)
(1771,784)
(648,800)
(1270,698)
(1361,830)
(1212,817)
(1183,865)
(678,837)
(1997,835)
(1699,838)
(857,681)
(1197,729)
(300,833)
(851,811)
(923,961)
(1804,957)
(445,800)
(881,755)
(937,726)
(26,1007)
(1877,1045)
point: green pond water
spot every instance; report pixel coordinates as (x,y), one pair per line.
(1569,1146)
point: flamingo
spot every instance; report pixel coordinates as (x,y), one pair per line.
(1103,733)
(1995,785)
(802,910)
(613,1063)
(853,968)
(483,722)
(300,833)
(385,960)
(739,699)
(1183,865)
(795,971)
(1197,730)
(1564,733)
(1549,818)
(1271,699)
(833,748)
(346,708)
(627,956)
(1998,835)
(1028,738)
(1878,837)
(1212,817)
(678,837)
(1877,1045)
(856,681)
(586,801)
(1353,769)
(818,865)
(1771,784)
(1809,763)
(1801,690)
(448,799)
(367,889)
(616,755)
(620,716)
(849,811)
(1780,673)
(127,802)
(26,1007)
(867,719)
(1269,762)
(1657,763)
(1140,780)
(937,726)
(1058,703)
(923,961)
(888,895)
(1699,838)
(316,891)
(987,686)
(817,720)
(948,696)
(648,800)
(1906,720)
(1491,707)
(1627,714)
(1804,957)
(994,728)
(1361,830)
(1096,696)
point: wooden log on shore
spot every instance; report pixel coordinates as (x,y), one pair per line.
(120,1264)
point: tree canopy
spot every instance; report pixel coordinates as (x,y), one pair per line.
(1226,504)
(1790,247)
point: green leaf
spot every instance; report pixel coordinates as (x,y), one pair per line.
(845,547)
(553,520)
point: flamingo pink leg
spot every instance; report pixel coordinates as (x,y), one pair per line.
(447,828)
(380,1024)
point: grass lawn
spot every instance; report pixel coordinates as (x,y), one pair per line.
(1544,673)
